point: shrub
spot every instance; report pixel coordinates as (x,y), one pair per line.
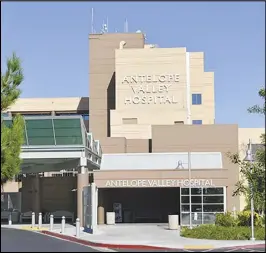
(226,220)
(213,232)
(263,220)
(244,219)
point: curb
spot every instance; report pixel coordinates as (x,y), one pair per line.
(141,247)
(29,228)
(103,245)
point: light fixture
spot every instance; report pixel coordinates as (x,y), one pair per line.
(180,165)
(249,156)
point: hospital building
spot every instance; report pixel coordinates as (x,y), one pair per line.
(145,134)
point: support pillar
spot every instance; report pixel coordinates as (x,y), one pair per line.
(82,181)
(100,207)
(36,197)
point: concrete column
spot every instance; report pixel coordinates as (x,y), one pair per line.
(36,196)
(100,208)
(100,215)
(82,181)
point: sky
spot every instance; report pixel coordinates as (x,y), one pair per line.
(51,38)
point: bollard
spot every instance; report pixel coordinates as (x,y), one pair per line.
(51,222)
(32,220)
(77,227)
(10,218)
(40,221)
(63,225)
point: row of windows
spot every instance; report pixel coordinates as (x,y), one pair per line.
(205,204)
(203,191)
(203,208)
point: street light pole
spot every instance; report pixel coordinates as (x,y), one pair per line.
(189,179)
(250,159)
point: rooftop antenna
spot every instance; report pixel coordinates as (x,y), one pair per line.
(92,30)
(104,27)
(145,37)
(125,26)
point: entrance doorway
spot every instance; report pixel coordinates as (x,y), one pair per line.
(140,205)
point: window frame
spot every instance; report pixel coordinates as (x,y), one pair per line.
(197,122)
(196,99)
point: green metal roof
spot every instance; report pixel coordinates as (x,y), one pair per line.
(56,131)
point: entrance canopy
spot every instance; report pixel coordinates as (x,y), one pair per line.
(54,143)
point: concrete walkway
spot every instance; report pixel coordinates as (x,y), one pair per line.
(139,235)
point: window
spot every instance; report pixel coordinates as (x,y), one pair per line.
(205,203)
(196,99)
(197,122)
(4,114)
(85,116)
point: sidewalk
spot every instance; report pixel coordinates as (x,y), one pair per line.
(138,236)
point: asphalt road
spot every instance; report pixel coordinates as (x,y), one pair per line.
(15,240)
(232,249)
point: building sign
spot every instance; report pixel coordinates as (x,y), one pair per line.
(159,183)
(151,89)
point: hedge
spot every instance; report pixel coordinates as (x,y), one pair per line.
(242,219)
(214,232)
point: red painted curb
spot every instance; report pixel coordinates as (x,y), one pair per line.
(103,245)
(250,246)
(121,246)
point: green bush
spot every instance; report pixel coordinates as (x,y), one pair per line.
(213,232)
(226,220)
(244,219)
(263,220)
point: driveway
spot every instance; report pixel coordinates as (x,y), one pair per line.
(15,240)
(231,249)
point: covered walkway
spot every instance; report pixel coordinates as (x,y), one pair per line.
(55,143)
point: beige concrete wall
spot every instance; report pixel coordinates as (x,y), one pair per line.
(102,77)
(66,104)
(244,134)
(154,111)
(11,186)
(53,193)
(200,138)
(203,83)
(138,146)
(113,145)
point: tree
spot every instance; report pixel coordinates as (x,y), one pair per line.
(257,108)
(253,175)
(260,154)
(260,110)
(12,135)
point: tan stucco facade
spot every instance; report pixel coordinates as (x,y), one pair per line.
(193,138)
(154,86)
(48,105)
